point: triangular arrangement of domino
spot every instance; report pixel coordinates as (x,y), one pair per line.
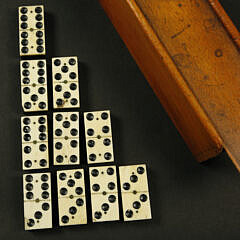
(71,188)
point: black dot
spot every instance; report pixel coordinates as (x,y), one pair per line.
(29,178)
(105,129)
(105,207)
(97,215)
(40,49)
(110,171)
(73,158)
(45,206)
(74,117)
(27,149)
(34,97)
(66,124)
(58,76)
(41,120)
(41,64)
(129,213)
(107,156)
(25,73)
(140,170)
(25,64)
(41,80)
(27,137)
(72,61)
(73,86)
(66,94)
(133,178)
(95,172)
(58,132)
(39,25)
(74,101)
(24,42)
(71,183)
(59,117)
(39,34)
(26,90)
(30,222)
(27,105)
(79,190)
(59,159)
(63,191)
(104,115)
(65,219)
(28,163)
(39,17)
(92,157)
(79,202)
(74,143)
(42,147)
(24,10)
(26,80)
(26,121)
(58,88)
(24,18)
(62,176)
(136,205)
(126,186)
(111,185)
(95,187)
(89,116)
(26,129)
(29,187)
(42,105)
(41,90)
(111,198)
(44,177)
(44,186)
(91,143)
(24,34)
(72,210)
(57,62)
(24,25)
(106,141)
(59,102)
(64,69)
(143,197)
(90,132)
(72,75)
(58,145)
(41,72)
(42,128)
(43,162)
(77,175)
(29,195)
(24,50)
(74,132)
(38,10)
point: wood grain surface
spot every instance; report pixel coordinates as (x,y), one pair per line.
(192,64)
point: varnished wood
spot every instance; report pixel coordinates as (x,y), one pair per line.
(192,64)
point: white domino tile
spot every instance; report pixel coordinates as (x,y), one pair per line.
(135,192)
(71,197)
(34,131)
(34,85)
(31,30)
(99,143)
(104,193)
(65,82)
(37,201)
(66,138)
